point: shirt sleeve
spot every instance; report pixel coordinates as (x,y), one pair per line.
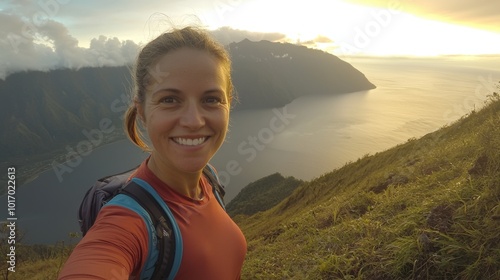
(116,247)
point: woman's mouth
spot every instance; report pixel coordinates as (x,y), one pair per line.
(190,141)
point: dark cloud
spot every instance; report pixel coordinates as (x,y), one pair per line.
(227,35)
(482,14)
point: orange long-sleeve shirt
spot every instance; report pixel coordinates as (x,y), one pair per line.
(116,247)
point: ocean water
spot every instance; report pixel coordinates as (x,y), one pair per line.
(306,138)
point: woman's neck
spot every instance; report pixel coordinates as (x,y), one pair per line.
(184,183)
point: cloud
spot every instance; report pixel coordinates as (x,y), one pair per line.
(48,45)
(319,42)
(227,35)
(323,39)
(482,14)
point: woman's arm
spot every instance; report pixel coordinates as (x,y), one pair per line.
(114,248)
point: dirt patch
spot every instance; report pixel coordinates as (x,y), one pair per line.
(441,218)
(479,166)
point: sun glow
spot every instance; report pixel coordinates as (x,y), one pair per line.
(350,29)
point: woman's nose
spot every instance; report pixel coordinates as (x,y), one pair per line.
(192,116)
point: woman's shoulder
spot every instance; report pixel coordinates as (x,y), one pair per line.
(115,215)
(118,239)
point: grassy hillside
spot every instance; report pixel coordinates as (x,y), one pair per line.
(34,262)
(425,209)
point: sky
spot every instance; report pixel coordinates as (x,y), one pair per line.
(49,34)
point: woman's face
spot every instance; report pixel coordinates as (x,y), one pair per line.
(186,109)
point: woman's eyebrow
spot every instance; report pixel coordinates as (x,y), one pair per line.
(214,90)
(168,90)
(179,92)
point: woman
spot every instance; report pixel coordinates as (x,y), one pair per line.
(182,98)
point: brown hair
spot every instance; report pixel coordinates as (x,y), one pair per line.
(144,70)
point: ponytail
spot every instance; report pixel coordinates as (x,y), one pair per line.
(132,129)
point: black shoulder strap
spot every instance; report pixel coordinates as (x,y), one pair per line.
(166,239)
(217,187)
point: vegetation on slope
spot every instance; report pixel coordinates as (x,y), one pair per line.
(34,262)
(425,209)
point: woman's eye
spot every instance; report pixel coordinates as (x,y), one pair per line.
(213,100)
(168,100)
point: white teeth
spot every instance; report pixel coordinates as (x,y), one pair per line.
(190,142)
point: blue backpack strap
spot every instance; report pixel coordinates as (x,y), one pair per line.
(128,202)
(164,233)
(132,197)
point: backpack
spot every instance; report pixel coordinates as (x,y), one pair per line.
(165,250)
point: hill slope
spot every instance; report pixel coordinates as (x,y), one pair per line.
(270,74)
(425,209)
(262,194)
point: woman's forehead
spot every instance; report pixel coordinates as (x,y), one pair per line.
(188,68)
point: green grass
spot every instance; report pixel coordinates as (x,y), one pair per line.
(36,261)
(425,209)
(43,269)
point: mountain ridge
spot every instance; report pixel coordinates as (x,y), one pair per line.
(296,70)
(262,194)
(45,110)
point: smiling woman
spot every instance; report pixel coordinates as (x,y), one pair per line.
(188,104)
(182,98)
